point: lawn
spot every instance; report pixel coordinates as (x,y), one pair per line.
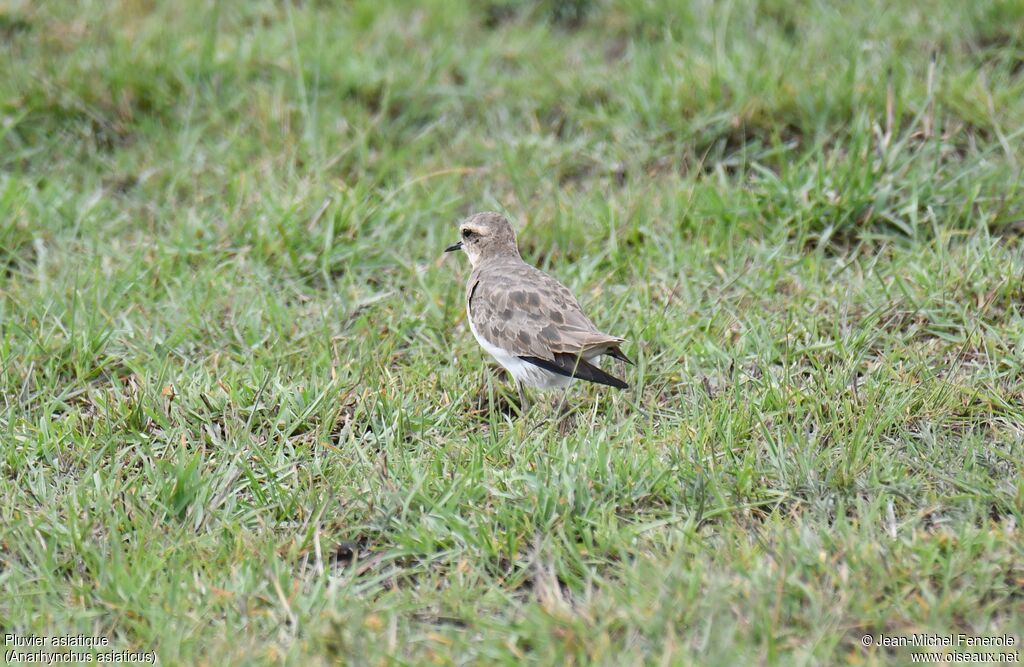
(243,419)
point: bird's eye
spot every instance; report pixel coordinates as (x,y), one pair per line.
(466,233)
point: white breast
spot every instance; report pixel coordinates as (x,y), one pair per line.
(523,371)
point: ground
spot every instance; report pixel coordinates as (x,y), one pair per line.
(244,421)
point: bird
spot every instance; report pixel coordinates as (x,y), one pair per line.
(528,321)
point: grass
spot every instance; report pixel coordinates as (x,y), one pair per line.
(243,420)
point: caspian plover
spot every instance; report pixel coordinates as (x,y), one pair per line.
(524,318)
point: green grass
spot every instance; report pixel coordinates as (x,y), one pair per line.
(243,420)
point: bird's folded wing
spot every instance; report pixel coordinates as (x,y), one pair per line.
(530,314)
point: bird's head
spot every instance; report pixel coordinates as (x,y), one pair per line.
(485,235)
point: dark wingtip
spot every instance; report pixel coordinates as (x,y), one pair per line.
(617,383)
(571,366)
(616,353)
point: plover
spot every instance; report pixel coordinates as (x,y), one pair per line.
(524,318)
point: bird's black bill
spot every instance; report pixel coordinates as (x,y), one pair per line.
(453,247)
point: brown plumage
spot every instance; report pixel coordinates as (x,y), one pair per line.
(530,322)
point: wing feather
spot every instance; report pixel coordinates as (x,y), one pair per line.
(577,367)
(530,314)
